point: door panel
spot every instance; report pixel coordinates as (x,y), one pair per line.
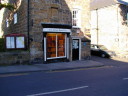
(75,49)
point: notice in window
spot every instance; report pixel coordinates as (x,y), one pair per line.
(10,42)
(20,42)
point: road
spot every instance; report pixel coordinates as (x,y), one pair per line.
(110,80)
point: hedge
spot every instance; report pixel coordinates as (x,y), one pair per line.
(2,46)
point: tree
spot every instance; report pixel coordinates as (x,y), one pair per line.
(6,5)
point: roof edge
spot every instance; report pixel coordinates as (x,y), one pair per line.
(97,4)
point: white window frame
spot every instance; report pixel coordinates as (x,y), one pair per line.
(45,51)
(15,18)
(76,15)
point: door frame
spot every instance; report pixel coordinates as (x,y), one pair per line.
(74,38)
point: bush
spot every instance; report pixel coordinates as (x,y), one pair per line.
(2,46)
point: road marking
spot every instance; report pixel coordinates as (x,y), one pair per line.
(52,92)
(125,78)
(9,75)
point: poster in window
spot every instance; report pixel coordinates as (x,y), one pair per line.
(10,42)
(20,42)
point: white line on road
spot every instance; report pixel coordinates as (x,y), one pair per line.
(46,93)
(125,78)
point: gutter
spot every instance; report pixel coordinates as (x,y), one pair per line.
(125,2)
(97,26)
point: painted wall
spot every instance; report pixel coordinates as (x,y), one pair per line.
(112,30)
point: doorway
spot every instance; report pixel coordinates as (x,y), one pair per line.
(75,49)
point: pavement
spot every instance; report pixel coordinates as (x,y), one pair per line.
(50,67)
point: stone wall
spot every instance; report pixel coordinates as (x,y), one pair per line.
(12,58)
(21,25)
(45,11)
(85,50)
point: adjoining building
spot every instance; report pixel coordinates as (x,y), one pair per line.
(47,31)
(109,25)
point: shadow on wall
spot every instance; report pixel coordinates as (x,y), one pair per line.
(123,13)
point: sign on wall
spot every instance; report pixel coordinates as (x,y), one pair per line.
(56,30)
(10,42)
(20,42)
(15,41)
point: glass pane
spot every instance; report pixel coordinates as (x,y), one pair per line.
(51,45)
(20,42)
(10,42)
(60,45)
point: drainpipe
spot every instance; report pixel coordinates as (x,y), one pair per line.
(97,26)
(28,19)
(118,26)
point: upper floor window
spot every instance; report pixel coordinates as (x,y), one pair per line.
(76,19)
(15,18)
(7,23)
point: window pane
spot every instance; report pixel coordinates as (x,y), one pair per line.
(60,45)
(20,42)
(15,18)
(51,45)
(10,42)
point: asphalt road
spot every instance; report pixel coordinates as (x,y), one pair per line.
(110,80)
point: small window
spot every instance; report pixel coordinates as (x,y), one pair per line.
(15,18)
(7,23)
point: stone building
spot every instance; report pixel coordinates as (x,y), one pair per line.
(109,25)
(48,30)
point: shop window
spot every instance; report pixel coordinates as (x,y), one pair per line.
(55,45)
(76,18)
(15,41)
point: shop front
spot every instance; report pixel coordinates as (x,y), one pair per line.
(56,42)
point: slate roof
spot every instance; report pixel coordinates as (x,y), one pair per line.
(96,4)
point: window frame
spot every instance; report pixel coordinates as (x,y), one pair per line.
(14,41)
(7,23)
(65,46)
(15,18)
(76,16)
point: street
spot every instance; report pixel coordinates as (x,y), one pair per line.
(109,80)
